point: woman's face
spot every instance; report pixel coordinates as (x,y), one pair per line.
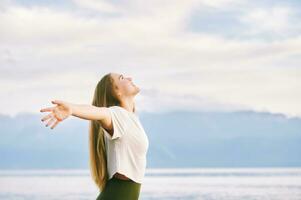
(125,85)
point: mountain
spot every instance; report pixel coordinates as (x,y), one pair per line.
(176,139)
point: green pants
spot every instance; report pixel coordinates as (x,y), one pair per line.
(117,189)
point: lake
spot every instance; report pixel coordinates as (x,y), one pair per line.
(159,184)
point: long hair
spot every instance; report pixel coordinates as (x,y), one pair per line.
(104,96)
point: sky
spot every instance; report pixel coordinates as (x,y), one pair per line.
(212,55)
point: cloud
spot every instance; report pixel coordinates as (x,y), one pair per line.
(55,49)
(276,20)
(248,20)
(156,100)
(267,89)
(97,5)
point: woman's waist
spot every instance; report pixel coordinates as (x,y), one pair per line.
(121,176)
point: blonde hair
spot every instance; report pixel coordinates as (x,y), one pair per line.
(104,96)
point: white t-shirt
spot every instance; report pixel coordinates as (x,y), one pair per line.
(127,148)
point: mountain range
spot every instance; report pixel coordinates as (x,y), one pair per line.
(176,139)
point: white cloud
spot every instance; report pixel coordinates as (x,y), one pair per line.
(46,51)
(157,100)
(273,19)
(221,3)
(265,89)
(97,5)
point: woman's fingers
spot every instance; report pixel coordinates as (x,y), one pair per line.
(56,115)
(47,117)
(57,102)
(50,121)
(54,125)
(47,109)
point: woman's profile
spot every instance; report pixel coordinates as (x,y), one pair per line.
(118,143)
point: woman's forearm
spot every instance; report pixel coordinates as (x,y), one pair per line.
(88,112)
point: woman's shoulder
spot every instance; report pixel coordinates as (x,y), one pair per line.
(123,111)
(120,110)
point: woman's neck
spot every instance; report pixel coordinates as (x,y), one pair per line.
(128,104)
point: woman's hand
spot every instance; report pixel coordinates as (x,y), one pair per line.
(58,113)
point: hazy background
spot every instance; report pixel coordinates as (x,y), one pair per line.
(220,79)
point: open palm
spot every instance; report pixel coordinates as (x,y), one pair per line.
(57,113)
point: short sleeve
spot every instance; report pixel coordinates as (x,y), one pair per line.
(119,122)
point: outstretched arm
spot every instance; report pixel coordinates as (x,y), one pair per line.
(88,112)
(65,109)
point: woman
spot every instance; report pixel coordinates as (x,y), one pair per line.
(117,141)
